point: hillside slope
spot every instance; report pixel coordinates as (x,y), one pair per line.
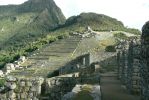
(28,20)
(98,22)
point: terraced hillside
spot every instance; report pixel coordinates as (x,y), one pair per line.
(49,58)
(53,56)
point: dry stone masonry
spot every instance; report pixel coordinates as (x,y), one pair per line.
(129,66)
(22,88)
(122,62)
(144,62)
(136,62)
(133,83)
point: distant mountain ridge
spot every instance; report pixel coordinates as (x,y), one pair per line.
(95,20)
(98,22)
(33,17)
(32,6)
(28,26)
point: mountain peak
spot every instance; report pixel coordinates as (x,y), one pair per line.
(41,1)
(52,10)
(38,5)
(32,17)
(98,21)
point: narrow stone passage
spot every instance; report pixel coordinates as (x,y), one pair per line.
(112,89)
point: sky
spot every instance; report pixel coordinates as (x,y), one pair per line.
(133,13)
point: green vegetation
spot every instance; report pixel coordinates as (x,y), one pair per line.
(132,30)
(110,48)
(25,28)
(2,82)
(26,22)
(121,35)
(83,95)
(12,53)
(54,74)
(98,22)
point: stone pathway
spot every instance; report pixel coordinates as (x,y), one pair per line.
(113,90)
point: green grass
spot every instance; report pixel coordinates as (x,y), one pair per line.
(10,26)
(2,82)
(110,48)
(120,35)
(83,95)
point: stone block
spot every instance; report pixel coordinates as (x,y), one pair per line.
(39,89)
(30,95)
(28,83)
(18,96)
(11,94)
(27,89)
(23,95)
(22,83)
(11,85)
(35,98)
(11,79)
(135,78)
(33,88)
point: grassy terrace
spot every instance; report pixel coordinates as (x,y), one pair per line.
(49,58)
(53,56)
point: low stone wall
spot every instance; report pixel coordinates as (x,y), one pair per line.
(58,86)
(22,89)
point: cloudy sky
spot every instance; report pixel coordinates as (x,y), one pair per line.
(133,13)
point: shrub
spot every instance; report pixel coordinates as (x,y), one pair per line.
(53,74)
(2,82)
(120,35)
(110,48)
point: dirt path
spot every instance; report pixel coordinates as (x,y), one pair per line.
(113,90)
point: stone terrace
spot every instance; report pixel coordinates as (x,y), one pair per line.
(49,58)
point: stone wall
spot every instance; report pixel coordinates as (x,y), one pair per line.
(75,65)
(22,89)
(133,83)
(129,67)
(57,87)
(123,67)
(144,72)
